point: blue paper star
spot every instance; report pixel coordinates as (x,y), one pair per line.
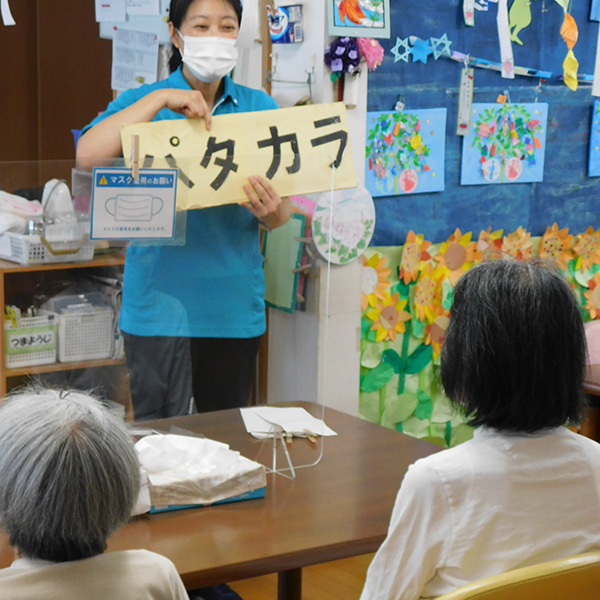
(441,46)
(396,50)
(420,51)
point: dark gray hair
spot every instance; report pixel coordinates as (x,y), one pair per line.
(69,475)
(514,355)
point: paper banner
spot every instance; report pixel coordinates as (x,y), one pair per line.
(7,17)
(295,148)
(506,53)
(506,144)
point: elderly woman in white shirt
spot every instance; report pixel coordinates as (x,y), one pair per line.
(525,489)
(69,477)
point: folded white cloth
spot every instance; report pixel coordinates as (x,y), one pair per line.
(191,470)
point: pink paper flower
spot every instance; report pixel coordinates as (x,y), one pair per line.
(372,51)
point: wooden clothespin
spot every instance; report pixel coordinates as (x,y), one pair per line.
(303,268)
(135,156)
(312,437)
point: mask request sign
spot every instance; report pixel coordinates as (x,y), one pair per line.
(125,208)
(301,150)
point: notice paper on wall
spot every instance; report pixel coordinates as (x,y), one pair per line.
(142,7)
(110,10)
(135,58)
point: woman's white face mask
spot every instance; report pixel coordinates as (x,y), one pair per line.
(208,58)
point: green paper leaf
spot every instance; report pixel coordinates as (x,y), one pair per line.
(377,378)
(398,409)
(365,326)
(424,407)
(391,357)
(368,406)
(371,357)
(419,359)
(417,328)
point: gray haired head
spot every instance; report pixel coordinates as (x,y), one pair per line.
(69,475)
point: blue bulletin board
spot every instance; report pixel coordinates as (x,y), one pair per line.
(566,195)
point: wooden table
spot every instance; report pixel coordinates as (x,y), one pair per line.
(337,509)
(590,423)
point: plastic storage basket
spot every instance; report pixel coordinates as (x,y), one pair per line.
(33,342)
(85,335)
(30,250)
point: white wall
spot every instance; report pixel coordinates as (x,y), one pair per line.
(315,355)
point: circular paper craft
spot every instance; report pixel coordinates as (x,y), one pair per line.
(349,216)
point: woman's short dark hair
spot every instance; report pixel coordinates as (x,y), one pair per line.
(69,475)
(177,11)
(514,354)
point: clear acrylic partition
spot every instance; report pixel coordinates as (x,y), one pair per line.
(34,282)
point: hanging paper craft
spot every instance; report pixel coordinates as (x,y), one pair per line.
(506,144)
(405,151)
(359,18)
(506,53)
(519,17)
(343,224)
(594,162)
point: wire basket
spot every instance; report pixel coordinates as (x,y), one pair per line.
(85,335)
(35,250)
(33,342)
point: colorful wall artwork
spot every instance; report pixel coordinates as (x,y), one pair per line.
(405,151)
(406,302)
(506,144)
(359,18)
(594,162)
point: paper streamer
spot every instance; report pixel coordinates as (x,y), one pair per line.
(506,53)
(7,17)
(250,27)
(469,12)
(569,34)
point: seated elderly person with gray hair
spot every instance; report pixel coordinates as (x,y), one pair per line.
(69,477)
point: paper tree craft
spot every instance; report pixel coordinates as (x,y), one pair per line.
(405,151)
(506,144)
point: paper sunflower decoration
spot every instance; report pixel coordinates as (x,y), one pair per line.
(436,333)
(556,245)
(593,297)
(489,244)
(428,295)
(389,317)
(587,249)
(374,280)
(414,255)
(456,256)
(518,244)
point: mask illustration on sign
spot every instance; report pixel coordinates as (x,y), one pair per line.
(133,207)
(209,58)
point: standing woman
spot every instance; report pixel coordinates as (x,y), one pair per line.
(207,296)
